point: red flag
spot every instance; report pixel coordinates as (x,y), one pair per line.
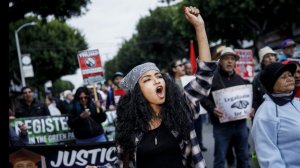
(193,57)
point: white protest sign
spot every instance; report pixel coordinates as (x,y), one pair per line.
(235,102)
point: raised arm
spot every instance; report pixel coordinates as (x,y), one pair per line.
(192,14)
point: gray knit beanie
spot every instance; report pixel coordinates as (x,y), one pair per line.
(130,80)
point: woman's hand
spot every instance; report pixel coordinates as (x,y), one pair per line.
(192,14)
(85,114)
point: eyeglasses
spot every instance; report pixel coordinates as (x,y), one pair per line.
(83,97)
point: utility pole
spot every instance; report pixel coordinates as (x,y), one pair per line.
(19,50)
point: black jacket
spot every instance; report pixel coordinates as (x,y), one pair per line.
(258,92)
(35,109)
(88,127)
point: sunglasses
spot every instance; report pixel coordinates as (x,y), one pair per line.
(83,97)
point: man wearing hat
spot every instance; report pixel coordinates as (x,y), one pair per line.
(288,49)
(218,51)
(115,93)
(232,132)
(118,76)
(266,56)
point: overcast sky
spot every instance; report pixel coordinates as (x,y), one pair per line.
(107,24)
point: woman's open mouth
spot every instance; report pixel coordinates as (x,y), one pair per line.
(160,92)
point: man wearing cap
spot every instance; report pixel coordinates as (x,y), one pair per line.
(288,49)
(115,93)
(235,132)
(266,56)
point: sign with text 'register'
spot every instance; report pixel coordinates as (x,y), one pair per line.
(47,130)
(245,66)
(90,65)
(109,125)
(235,102)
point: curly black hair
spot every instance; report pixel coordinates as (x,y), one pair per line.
(134,114)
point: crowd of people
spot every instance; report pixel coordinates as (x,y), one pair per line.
(159,119)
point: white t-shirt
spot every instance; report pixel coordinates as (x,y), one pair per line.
(54,111)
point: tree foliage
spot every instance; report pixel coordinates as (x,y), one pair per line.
(165,34)
(235,21)
(61,85)
(157,40)
(61,10)
(53,47)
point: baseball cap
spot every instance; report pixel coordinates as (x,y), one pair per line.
(288,42)
(118,74)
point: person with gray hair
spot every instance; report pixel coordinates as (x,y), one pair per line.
(155,119)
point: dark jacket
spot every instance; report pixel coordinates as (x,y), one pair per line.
(66,107)
(221,80)
(17,140)
(258,92)
(35,109)
(89,127)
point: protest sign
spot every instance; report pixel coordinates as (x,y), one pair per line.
(235,102)
(109,125)
(244,66)
(69,156)
(45,129)
(90,65)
